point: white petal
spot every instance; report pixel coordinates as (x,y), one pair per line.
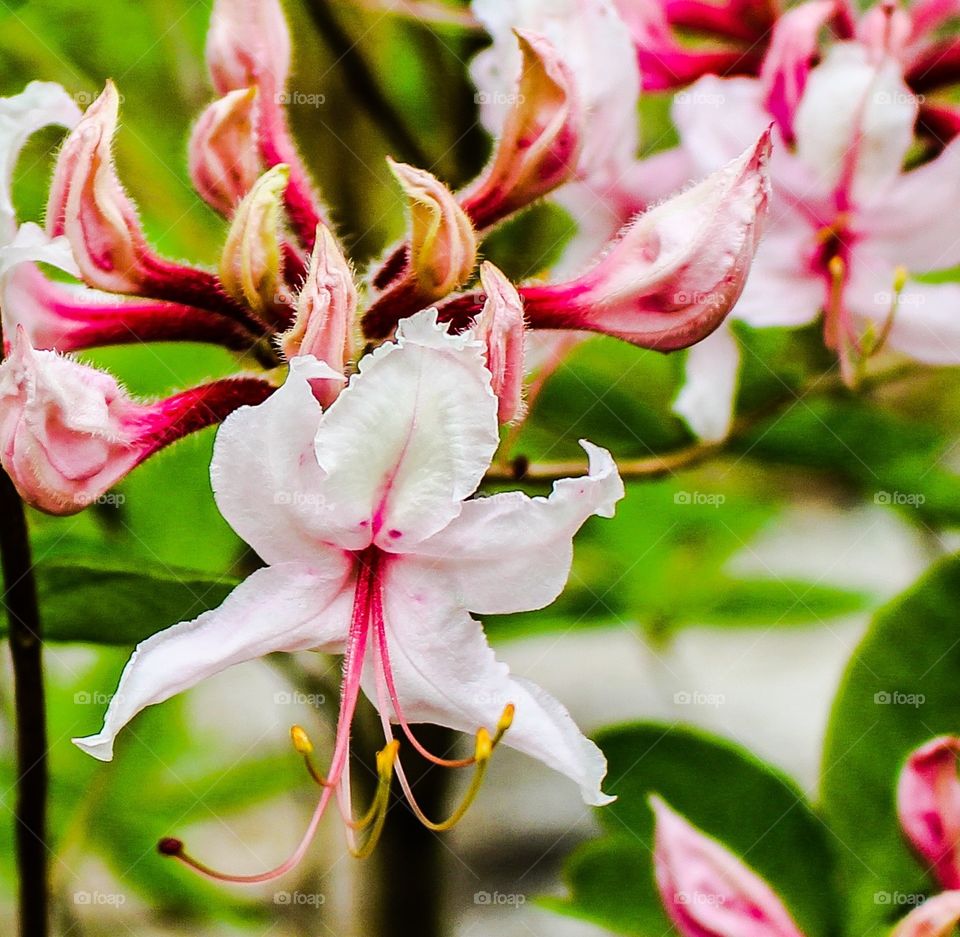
(854,108)
(265,476)
(512,553)
(291,607)
(408,439)
(706,400)
(447,674)
(915,223)
(31,242)
(926,326)
(40,104)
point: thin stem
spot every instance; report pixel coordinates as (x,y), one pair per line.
(23,622)
(661,464)
(428,12)
(363,82)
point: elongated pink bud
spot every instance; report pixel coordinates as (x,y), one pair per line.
(440,253)
(676,271)
(500,327)
(69,432)
(928,803)
(252,259)
(224,156)
(538,147)
(936,917)
(706,890)
(326,314)
(88,204)
(248,44)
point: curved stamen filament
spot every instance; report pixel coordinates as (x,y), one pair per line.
(352,670)
(380,648)
(376,815)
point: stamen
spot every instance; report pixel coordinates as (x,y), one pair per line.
(381,646)
(376,815)
(303,745)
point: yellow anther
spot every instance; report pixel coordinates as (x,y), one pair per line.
(900,275)
(506,720)
(837,268)
(484,747)
(386,758)
(301,741)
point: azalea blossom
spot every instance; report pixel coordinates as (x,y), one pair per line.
(928,804)
(706,890)
(849,228)
(936,917)
(376,550)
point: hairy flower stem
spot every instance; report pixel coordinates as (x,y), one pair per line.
(23,622)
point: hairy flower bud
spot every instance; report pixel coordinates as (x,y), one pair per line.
(248,44)
(538,146)
(928,804)
(326,312)
(223,153)
(706,890)
(251,262)
(676,271)
(500,327)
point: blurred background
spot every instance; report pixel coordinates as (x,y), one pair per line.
(727,596)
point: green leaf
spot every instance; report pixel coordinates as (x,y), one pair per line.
(900,690)
(749,806)
(116,605)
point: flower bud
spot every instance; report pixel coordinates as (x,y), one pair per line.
(250,265)
(223,153)
(88,204)
(936,917)
(69,432)
(706,890)
(676,271)
(248,44)
(326,312)
(538,147)
(443,245)
(928,804)
(500,327)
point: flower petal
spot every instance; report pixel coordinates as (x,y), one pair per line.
(447,674)
(265,476)
(936,917)
(40,104)
(290,607)
(408,439)
(706,400)
(855,122)
(511,553)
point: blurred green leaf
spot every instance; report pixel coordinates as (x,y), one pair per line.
(113,605)
(750,807)
(900,690)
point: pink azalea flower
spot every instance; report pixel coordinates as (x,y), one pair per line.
(848,226)
(706,890)
(375,550)
(928,804)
